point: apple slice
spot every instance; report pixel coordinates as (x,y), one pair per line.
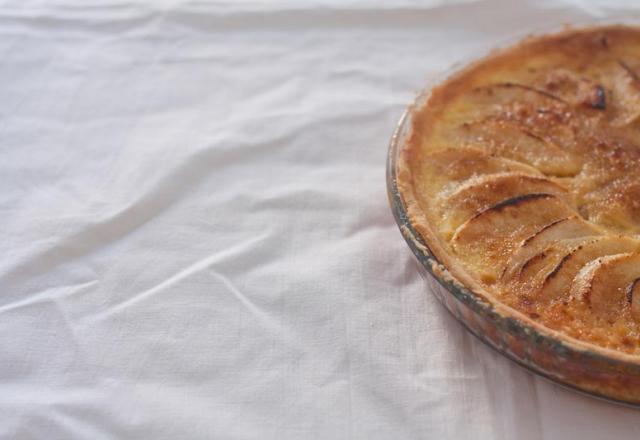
(633,297)
(487,240)
(616,205)
(604,284)
(575,89)
(443,171)
(516,120)
(478,194)
(450,166)
(491,99)
(509,91)
(530,276)
(557,283)
(538,243)
(510,139)
(625,84)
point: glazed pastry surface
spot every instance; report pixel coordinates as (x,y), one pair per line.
(523,172)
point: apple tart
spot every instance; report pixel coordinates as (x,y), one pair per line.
(521,173)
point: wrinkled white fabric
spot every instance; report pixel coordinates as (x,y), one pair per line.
(195,235)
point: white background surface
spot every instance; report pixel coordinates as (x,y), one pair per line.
(195,235)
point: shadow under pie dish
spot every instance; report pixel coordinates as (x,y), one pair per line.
(516,183)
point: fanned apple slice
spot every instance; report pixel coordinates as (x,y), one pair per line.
(490,99)
(509,139)
(486,240)
(633,297)
(605,282)
(530,276)
(442,172)
(558,282)
(625,84)
(445,169)
(478,194)
(500,93)
(574,89)
(537,243)
(616,205)
(520,108)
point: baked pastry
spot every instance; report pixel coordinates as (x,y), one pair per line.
(521,173)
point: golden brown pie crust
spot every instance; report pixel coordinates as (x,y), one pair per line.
(521,172)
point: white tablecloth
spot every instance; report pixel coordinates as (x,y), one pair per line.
(195,235)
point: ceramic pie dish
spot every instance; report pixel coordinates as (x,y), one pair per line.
(516,184)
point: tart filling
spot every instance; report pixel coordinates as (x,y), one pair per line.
(522,173)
